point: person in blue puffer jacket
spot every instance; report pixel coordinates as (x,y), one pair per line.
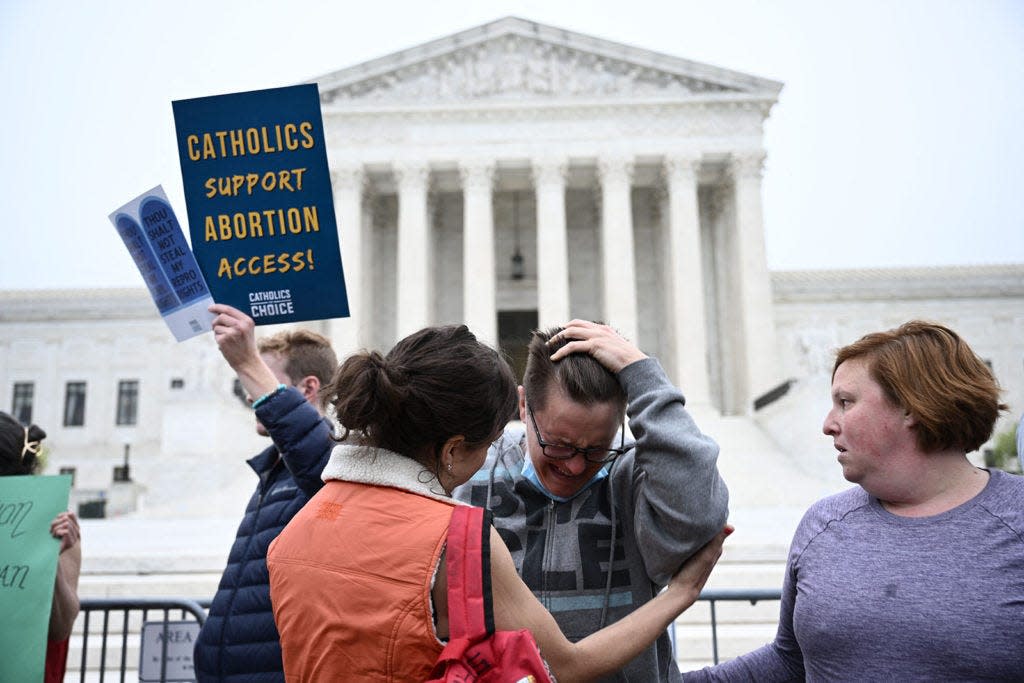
(282,376)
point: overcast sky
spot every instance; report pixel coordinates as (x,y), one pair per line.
(897,141)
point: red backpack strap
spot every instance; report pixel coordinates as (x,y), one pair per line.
(468,558)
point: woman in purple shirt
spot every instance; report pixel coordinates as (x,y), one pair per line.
(917,573)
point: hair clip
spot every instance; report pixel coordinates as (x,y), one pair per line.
(29,447)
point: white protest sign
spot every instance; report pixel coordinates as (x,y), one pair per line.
(154,239)
(180,637)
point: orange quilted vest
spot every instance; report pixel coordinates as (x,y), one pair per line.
(350,584)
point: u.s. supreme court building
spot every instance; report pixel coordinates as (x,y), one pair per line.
(511,176)
(516,175)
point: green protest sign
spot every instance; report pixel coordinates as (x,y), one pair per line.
(28,569)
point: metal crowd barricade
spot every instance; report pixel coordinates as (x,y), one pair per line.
(713,597)
(128,608)
(197,609)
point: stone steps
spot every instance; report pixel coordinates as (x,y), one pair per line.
(694,647)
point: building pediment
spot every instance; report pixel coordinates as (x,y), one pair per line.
(517,60)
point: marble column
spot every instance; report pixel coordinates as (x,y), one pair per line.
(688,325)
(479,306)
(347,188)
(757,343)
(415,267)
(552,243)
(618,266)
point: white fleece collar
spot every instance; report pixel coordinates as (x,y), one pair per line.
(380,467)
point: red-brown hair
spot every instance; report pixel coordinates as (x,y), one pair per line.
(929,371)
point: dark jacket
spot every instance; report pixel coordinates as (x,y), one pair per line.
(239,641)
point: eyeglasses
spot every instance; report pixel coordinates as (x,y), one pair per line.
(593,455)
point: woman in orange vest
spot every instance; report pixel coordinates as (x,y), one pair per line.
(358,577)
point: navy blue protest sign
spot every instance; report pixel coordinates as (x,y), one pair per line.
(260,208)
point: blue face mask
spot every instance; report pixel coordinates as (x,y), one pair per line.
(530,474)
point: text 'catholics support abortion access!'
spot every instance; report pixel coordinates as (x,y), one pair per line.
(260,208)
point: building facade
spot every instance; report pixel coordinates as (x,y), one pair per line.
(511,176)
(516,175)
(100,372)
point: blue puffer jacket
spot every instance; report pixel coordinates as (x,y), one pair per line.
(239,641)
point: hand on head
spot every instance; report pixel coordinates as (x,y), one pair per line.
(602,342)
(65,527)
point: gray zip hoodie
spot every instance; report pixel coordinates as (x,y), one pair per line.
(604,553)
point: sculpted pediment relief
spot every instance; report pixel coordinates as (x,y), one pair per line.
(518,65)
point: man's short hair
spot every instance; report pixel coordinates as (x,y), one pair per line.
(579,375)
(929,371)
(305,353)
